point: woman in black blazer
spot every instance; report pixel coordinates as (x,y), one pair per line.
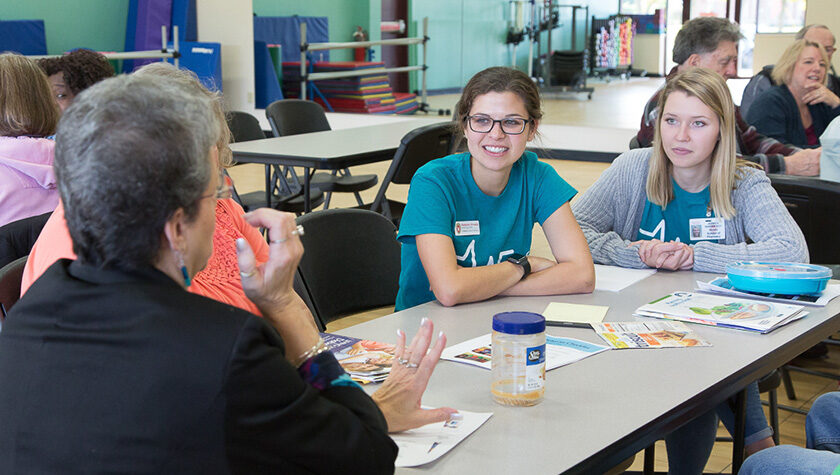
(107,364)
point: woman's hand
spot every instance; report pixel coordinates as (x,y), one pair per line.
(669,255)
(400,394)
(270,284)
(818,93)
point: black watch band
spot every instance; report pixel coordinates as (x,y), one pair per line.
(521,261)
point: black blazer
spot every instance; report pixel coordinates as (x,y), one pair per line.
(110,371)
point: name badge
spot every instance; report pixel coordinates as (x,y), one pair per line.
(706,228)
(467,228)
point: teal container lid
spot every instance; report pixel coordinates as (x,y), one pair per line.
(778,270)
(519,323)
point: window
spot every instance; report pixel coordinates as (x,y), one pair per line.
(780,16)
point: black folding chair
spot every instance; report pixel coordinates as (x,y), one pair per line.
(18,237)
(351,263)
(297,116)
(10,278)
(417,148)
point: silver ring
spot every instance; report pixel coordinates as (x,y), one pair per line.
(412,365)
(402,361)
(245,275)
(298,230)
(278,241)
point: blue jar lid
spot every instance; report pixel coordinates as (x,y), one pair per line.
(778,270)
(519,323)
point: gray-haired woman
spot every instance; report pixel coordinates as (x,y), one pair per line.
(109,365)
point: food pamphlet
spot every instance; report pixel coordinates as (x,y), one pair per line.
(723,311)
(623,335)
(721,285)
(558,351)
(424,444)
(366,361)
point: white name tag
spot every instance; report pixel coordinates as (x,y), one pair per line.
(706,228)
(467,228)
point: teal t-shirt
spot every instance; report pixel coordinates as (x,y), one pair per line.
(672,224)
(444,199)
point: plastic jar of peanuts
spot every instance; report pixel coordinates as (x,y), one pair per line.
(518,358)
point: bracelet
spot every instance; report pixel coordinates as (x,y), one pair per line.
(316,349)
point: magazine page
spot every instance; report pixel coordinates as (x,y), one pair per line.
(428,443)
(719,310)
(366,361)
(625,335)
(721,285)
(559,351)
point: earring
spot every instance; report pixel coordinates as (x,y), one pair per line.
(184,272)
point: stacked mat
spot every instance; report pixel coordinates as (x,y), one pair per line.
(370,93)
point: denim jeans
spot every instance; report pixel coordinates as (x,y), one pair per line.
(822,430)
(689,446)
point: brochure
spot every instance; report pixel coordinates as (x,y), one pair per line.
(558,351)
(724,311)
(366,361)
(721,285)
(428,443)
(624,335)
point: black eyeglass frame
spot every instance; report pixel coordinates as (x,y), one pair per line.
(497,121)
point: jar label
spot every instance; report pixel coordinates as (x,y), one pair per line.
(535,368)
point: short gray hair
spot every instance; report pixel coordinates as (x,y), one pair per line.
(130,151)
(703,35)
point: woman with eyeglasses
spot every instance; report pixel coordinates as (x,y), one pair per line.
(467,227)
(798,110)
(220,279)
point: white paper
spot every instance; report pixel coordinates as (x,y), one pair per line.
(428,443)
(559,351)
(616,279)
(722,286)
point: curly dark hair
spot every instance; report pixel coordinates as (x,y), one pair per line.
(81,68)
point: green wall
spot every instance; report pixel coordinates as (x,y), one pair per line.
(68,24)
(343,16)
(467,36)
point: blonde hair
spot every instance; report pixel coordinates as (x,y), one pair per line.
(783,70)
(26,100)
(187,78)
(710,88)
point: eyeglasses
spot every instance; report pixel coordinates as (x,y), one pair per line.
(224,189)
(510,125)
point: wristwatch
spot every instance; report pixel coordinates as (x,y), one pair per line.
(521,261)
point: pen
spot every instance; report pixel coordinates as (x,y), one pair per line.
(568,324)
(433,446)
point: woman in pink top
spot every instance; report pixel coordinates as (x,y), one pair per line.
(27,115)
(219,280)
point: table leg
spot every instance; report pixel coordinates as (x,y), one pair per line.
(307,205)
(268,185)
(740,429)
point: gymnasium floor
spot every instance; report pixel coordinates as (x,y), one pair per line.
(615,104)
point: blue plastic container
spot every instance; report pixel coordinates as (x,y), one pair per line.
(786,278)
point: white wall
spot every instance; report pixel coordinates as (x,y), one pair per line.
(230,22)
(768,47)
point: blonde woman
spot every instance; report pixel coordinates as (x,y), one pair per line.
(688,203)
(798,110)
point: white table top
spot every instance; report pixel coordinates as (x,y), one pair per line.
(599,411)
(332,149)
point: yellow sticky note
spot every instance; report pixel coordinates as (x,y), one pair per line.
(573,312)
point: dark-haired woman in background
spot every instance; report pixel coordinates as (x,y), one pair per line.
(74,72)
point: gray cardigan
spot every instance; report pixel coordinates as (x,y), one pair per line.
(610,212)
